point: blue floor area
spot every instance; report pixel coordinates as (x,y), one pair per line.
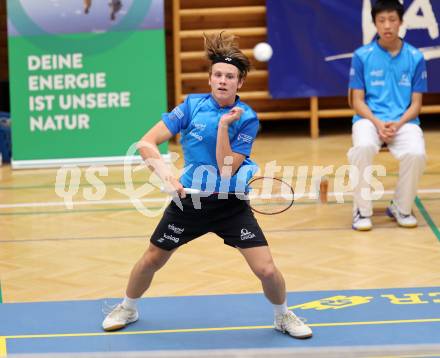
(338,318)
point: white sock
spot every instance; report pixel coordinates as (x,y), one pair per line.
(129,303)
(280,309)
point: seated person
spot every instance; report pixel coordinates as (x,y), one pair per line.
(387,79)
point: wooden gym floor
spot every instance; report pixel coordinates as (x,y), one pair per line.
(49,252)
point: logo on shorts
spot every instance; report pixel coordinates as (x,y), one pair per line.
(245,234)
(175,229)
(171,237)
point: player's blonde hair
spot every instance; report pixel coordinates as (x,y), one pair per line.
(223,46)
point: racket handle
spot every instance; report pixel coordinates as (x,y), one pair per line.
(187,191)
(192,191)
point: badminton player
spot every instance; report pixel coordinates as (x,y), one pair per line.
(217,131)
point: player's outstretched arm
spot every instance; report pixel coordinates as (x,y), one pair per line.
(149,151)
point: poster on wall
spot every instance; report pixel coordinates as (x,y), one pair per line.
(314,40)
(87,78)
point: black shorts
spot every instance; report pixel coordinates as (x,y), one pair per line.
(232,219)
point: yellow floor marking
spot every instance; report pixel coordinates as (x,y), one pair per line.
(3,351)
(211,329)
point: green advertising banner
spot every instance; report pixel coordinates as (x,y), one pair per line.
(87,78)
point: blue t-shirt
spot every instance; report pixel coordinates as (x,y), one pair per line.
(197,121)
(388,81)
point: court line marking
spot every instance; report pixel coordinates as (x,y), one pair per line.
(74,211)
(162,199)
(432,354)
(143,236)
(81,185)
(79,203)
(148,235)
(131,208)
(3,351)
(427,218)
(214,329)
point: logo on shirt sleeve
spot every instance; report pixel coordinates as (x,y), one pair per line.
(176,113)
(245,138)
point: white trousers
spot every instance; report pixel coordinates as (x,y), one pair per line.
(408,146)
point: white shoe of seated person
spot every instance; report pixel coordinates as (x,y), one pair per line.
(408,221)
(361,223)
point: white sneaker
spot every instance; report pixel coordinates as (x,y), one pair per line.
(119,317)
(407,221)
(291,324)
(361,223)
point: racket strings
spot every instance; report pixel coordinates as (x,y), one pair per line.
(270,195)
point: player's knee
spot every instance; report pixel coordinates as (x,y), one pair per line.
(415,157)
(151,263)
(365,148)
(266,272)
(153,260)
(360,151)
(419,156)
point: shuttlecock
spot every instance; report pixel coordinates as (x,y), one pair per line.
(263,51)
